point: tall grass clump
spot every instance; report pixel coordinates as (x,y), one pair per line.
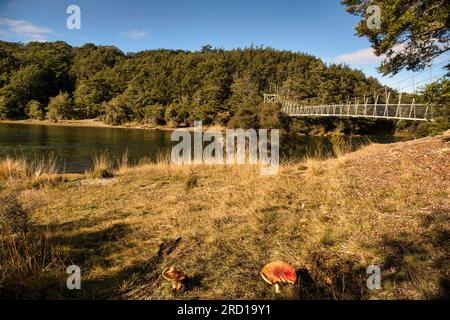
(29,266)
(191,180)
(14,168)
(123,162)
(36,172)
(41,167)
(102,166)
(340,145)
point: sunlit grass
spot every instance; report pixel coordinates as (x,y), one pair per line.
(221,224)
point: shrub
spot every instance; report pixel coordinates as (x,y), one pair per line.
(437,94)
(204,113)
(9,103)
(245,118)
(116,112)
(272,117)
(3,108)
(171,116)
(222,118)
(154,114)
(34,110)
(60,107)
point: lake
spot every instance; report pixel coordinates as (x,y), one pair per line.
(75,147)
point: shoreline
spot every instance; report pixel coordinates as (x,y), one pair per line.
(94,123)
(85,123)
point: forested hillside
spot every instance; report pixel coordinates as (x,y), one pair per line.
(168,87)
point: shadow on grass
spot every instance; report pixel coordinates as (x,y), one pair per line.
(90,250)
(308,288)
(140,279)
(412,260)
(93,240)
(93,251)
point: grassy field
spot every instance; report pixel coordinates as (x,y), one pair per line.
(386,205)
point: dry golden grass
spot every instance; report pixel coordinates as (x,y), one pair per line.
(32,174)
(30,267)
(386,205)
(103,165)
(13,168)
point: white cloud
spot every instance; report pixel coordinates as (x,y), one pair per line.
(25,29)
(135,34)
(363,56)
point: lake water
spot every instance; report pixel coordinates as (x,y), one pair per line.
(75,147)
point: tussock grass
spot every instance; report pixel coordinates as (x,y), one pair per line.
(191,180)
(103,166)
(29,267)
(32,173)
(123,163)
(13,168)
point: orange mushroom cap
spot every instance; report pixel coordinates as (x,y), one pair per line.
(172,274)
(279,272)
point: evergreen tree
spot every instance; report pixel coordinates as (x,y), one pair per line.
(412,32)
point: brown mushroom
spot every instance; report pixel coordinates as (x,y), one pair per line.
(278,272)
(177,278)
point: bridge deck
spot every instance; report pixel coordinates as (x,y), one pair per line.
(413,111)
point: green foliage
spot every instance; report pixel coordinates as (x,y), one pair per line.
(437,94)
(34,110)
(91,59)
(154,114)
(25,84)
(206,113)
(272,117)
(3,108)
(174,87)
(246,117)
(60,107)
(412,33)
(36,71)
(175,115)
(211,85)
(244,89)
(90,94)
(116,112)
(8,61)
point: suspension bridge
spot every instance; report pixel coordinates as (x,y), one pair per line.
(378,110)
(395,111)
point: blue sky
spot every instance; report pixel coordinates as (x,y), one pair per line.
(319,27)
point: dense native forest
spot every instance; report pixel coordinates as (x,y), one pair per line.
(55,81)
